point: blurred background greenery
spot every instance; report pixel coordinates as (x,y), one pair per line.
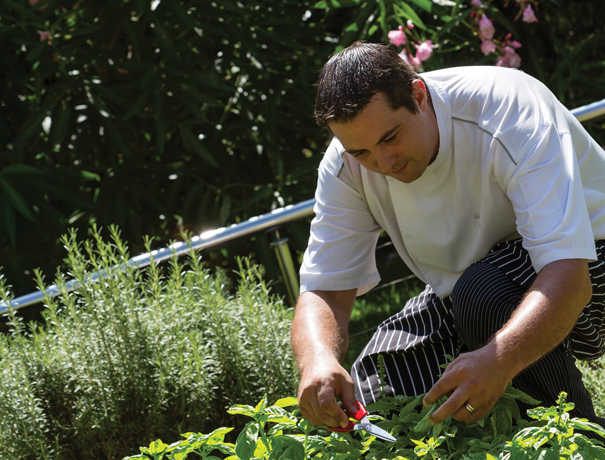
(171,116)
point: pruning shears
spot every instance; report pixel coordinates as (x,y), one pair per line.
(363,423)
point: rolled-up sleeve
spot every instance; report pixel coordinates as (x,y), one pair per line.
(546,191)
(340,254)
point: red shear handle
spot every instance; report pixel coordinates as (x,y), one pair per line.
(358,415)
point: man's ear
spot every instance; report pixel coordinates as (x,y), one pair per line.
(419,93)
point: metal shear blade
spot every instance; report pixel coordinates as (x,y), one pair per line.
(363,423)
(374,430)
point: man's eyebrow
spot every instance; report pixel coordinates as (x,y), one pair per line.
(382,138)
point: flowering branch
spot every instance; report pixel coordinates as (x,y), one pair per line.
(423,49)
(504,48)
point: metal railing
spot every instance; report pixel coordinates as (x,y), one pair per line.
(270,221)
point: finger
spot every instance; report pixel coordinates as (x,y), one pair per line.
(450,406)
(466,416)
(463,414)
(348,396)
(443,386)
(328,408)
(309,405)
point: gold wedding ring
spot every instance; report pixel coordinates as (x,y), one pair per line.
(469,408)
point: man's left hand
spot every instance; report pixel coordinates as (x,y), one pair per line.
(474,380)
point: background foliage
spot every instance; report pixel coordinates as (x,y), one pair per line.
(161,116)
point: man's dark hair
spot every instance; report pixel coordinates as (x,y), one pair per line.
(352,76)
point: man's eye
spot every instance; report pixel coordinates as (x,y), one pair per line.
(358,154)
(390,139)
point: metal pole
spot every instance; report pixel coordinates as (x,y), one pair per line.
(586,112)
(224,234)
(205,240)
(286,265)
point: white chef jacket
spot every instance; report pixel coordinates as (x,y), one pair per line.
(512,161)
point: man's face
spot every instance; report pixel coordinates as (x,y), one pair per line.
(396,143)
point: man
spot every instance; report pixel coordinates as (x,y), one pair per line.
(494,195)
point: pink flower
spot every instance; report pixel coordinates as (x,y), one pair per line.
(529,15)
(410,24)
(515,44)
(476,3)
(45,36)
(424,50)
(397,37)
(411,60)
(486,28)
(35,2)
(487,46)
(509,58)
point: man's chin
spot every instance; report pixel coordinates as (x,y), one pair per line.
(407,176)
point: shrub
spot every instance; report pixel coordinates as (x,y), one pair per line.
(137,354)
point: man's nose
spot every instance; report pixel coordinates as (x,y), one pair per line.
(386,160)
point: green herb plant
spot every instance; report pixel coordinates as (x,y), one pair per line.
(279,432)
(137,354)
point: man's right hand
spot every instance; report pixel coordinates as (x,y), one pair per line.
(319,339)
(323,383)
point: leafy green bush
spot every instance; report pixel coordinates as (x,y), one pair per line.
(137,354)
(276,433)
(209,105)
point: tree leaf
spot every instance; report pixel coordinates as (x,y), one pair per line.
(8,222)
(20,169)
(426,5)
(17,200)
(404,10)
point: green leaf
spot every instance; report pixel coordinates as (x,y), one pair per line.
(262,404)
(405,11)
(352,28)
(191,143)
(286,402)
(220,433)
(589,448)
(436,430)
(89,175)
(9,223)
(424,425)
(20,169)
(514,393)
(60,125)
(286,448)
(155,447)
(583,424)
(426,5)
(241,409)
(245,444)
(17,200)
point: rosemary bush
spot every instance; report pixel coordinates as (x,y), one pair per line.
(137,354)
